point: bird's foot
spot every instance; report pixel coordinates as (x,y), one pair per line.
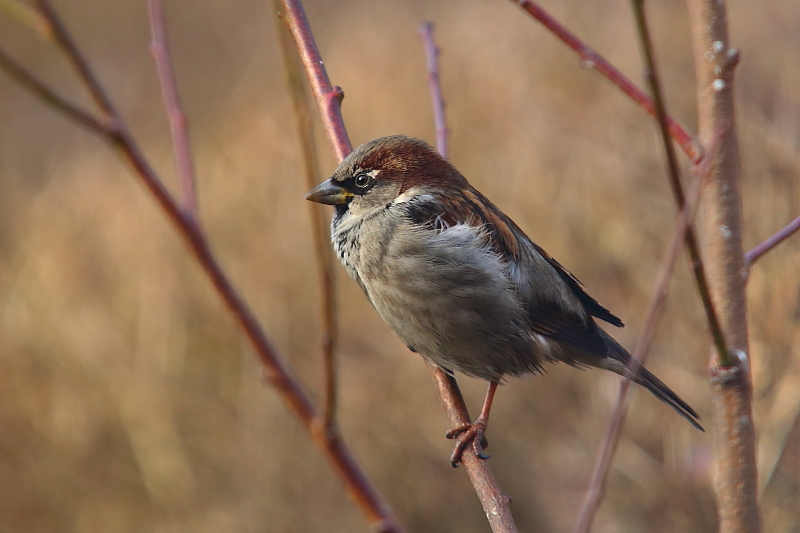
(466,435)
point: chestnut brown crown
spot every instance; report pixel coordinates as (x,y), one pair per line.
(385,168)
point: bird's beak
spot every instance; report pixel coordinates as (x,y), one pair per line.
(329,193)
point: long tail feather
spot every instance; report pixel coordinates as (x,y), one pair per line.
(618,362)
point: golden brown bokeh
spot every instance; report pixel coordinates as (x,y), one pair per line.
(130,400)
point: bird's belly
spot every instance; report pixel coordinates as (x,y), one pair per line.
(455,305)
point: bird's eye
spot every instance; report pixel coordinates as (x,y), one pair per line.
(362,180)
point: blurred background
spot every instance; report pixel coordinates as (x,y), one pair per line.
(129,399)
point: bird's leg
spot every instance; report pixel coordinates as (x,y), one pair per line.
(474,432)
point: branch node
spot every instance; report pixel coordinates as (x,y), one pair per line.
(337,93)
(732,59)
(734,373)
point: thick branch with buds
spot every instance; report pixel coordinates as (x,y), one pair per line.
(731,380)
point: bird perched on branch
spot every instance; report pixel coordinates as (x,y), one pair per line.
(458,281)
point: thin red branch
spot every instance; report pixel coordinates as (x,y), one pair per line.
(276,372)
(47,95)
(692,244)
(64,40)
(605,455)
(432,60)
(319,217)
(328,97)
(592,59)
(758,252)
(159,48)
(496,504)
(654,107)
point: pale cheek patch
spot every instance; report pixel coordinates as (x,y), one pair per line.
(410,194)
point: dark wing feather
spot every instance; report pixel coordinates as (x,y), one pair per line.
(552,322)
(591,305)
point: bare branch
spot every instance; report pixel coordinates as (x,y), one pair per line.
(496,504)
(159,48)
(787,231)
(675,181)
(432,57)
(736,478)
(67,45)
(328,98)
(275,371)
(47,95)
(318,213)
(592,59)
(605,455)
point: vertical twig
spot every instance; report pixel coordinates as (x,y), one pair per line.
(496,504)
(597,482)
(112,129)
(159,49)
(675,181)
(319,224)
(731,385)
(432,59)
(327,97)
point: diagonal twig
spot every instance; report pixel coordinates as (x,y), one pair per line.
(159,48)
(319,221)
(67,45)
(49,96)
(758,252)
(605,455)
(651,73)
(495,503)
(592,59)
(327,97)
(112,129)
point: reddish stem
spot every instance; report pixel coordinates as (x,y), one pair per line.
(328,97)
(592,59)
(113,129)
(432,59)
(787,231)
(159,48)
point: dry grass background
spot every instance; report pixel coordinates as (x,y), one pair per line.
(130,401)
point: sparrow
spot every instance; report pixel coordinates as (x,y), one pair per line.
(459,282)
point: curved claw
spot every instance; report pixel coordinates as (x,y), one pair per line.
(464,435)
